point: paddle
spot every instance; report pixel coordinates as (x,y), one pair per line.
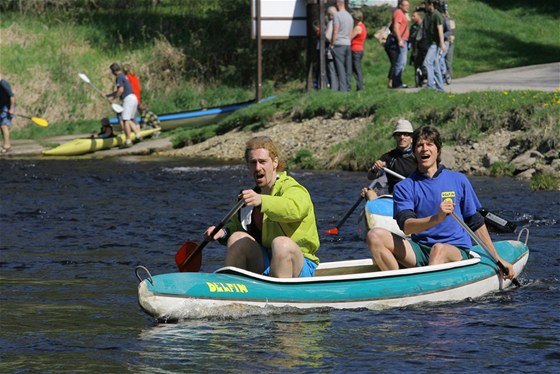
(334,230)
(36,120)
(189,256)
(116,107)
(471,234)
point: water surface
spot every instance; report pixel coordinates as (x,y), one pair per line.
(72,232)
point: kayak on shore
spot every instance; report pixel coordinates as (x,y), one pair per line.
(82,146)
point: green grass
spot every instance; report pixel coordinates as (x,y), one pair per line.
(203,51)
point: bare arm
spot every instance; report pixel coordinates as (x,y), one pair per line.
(416,225)
(374,170)
(355,32)
(12,105)
(397,33)
(336,29)
(441,40)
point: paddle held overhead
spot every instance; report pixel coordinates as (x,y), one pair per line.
(116,107)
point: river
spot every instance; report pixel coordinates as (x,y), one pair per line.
(73,231)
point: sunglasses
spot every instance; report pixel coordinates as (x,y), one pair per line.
(397,134)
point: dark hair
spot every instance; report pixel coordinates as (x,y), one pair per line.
(114,66)
(429,133)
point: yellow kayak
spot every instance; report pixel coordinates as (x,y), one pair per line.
(82,146)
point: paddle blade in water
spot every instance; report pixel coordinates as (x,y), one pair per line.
(333,231)
(186,260)
(40,121)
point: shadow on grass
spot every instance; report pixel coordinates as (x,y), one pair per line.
(543,7)
(512,48)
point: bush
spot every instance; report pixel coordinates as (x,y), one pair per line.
(544,182)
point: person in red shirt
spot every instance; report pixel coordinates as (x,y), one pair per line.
(358,36)
(134,81)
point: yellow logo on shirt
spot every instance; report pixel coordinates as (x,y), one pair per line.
(448,196)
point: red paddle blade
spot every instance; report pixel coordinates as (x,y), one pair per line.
(333,231)
(194,261)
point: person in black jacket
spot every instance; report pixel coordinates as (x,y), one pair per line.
(401,159)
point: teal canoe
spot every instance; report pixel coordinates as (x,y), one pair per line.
(339,285)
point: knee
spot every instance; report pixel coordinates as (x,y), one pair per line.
(374,238)
(280,246)
(238,239)
(437,251)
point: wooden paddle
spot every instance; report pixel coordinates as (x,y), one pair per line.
(189,256)
(334,230)
(471,234)
(36,120)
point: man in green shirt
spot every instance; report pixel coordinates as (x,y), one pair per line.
(275,233)
(434,28)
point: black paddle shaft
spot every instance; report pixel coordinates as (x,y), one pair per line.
(218,227)
(351,210)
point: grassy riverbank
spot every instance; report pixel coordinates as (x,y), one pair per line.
(203,51)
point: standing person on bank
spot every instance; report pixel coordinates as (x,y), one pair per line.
(331,68)
(275,233)
(401,31)
(130,103)
(400,159)
(434,34)
(358,36)
(134,82)
(423,203)
(340,46)
(7,111)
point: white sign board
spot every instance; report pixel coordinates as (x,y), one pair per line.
(280,19)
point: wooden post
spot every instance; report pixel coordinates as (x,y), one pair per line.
(259,50)
(322,63)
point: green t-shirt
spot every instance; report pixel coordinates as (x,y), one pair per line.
(436,19)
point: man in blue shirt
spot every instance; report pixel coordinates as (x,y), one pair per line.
(130,103)
(423,203)
(7,110)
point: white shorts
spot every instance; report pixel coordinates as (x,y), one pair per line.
(130,104)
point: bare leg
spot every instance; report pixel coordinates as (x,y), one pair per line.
(287,259)
(6,137)
(388,249)
(442,253)
(244,252)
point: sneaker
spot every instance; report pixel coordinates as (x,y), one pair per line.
(127,144)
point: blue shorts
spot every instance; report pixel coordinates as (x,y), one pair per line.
(422,252)
(5,117)
(307,270)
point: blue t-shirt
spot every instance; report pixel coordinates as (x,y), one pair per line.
(423,196)
(122,81)
(5,93)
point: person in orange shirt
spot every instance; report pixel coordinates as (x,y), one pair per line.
(134,81)
(358,37)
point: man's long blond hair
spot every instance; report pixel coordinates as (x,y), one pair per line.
(264,142)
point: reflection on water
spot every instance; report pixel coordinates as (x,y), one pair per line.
(72,233)
(273,342)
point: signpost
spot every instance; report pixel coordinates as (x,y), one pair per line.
(276,19)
